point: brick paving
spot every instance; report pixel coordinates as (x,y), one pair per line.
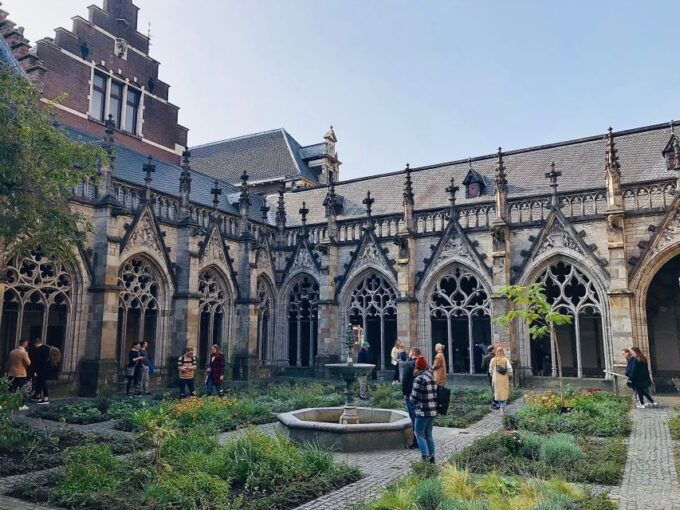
(382,468)
(650,481)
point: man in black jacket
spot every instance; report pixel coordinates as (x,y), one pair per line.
(41,369)
(407,379)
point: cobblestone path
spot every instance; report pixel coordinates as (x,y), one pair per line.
(650,481)
(382,468)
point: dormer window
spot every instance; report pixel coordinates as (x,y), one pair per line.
(474,183)
(671,153)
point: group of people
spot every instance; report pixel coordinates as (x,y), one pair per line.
(187,364)
(139,369)
(36,365)
(639,380)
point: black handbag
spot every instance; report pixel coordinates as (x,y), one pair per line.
(443,398)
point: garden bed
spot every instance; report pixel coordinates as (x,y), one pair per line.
(600,414)
(455,489)
(576,459)
(193,471)
(85,412)
(23,449)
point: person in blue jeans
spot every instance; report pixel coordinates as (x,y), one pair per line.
(424,401)
(407,378)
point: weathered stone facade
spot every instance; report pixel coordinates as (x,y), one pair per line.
(274,280)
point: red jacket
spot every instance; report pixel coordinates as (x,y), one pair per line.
(216,368)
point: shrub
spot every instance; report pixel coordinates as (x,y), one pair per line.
(531,446)
(189,492)
(428,494)
(561,450)
(674,426)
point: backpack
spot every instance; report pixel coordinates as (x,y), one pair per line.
(443,398)
(502,369)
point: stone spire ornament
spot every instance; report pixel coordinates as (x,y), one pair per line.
(281,208)
(148,168)
(501,178)
(452,190)
(106,171)
(265,212)
(109,126)
(244,197)
(368,202)
(185,183)
(552,176)
(303,218)
(612,176)
(612,158)
(216,191)
(408,187)
(331,201)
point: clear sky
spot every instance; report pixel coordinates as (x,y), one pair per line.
(417,81)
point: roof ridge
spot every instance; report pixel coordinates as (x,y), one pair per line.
(286,135)
(574,141)
(240,137)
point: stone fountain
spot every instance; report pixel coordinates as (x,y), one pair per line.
(348,428)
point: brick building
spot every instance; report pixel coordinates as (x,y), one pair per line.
(186,250)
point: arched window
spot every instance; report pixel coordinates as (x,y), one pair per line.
(37,302)
(373,306)
(303,311)
(460,312)
(137,305)
(265,302)
(580,343)
(213,304)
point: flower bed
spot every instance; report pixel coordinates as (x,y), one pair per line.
(591,414)
(455,489)
(90,411)
(575,459)
(194,471)
(23,449)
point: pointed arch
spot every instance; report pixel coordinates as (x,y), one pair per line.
(265,305)
(215,307)
(369,300)
(456,311)
(580,292)
(299,300)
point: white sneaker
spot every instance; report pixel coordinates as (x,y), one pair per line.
(23,408)
(639,405)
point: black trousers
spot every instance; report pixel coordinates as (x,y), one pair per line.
(40,385)
(642,393)
(185,384)
(18,383)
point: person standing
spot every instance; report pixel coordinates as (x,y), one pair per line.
(486,360)
(439,365)
(362,357)
(628,355)
(215,371)
(500,369)
(640,378)
(424,400)
(144,368)
(186,364)
(41,370)
(407,378)
(131,371)
(396,356)
(19,364)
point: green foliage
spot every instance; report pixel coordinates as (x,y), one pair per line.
(10,401)
(39,166)
(428,494)
(561,449)
(189,492)
(525,454)
(674,426)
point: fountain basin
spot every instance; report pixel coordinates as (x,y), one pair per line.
(346,371)
(379,429)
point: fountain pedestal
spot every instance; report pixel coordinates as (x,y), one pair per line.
(350,373)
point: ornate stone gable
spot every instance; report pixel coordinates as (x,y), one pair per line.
(143,233)
(263,258)
(213,248)
(556,236)
(670,234)
(667,234)
(453,247)
(302,260)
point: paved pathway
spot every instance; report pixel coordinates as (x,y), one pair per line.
(650,481)
(382,468)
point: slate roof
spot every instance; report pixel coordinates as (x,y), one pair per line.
(264,156)
(581,162)
(128,167)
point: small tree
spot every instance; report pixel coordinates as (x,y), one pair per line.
(530,305)
(39,167)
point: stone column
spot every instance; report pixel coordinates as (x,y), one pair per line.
(100,365)
(407,305)
(328,344)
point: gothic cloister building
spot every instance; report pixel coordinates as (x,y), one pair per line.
(256,244)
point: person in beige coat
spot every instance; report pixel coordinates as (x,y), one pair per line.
(439,366)
(18,367)
(500,369)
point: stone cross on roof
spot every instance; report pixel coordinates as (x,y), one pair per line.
(216,192)
(244,198)
(303,214)
(265,212)
(281,207)
(553,175)
(148,168)
(452,190)
(368,202)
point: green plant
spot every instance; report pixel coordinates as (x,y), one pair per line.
(189,492)
(560,449)
(428,494)
(674,426)
(10,401)
(530,305)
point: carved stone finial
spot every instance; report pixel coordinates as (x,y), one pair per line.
(408,187)
(244,198)
(552,176)
(331,201)
(216,191)
(265,212)
(281,207)
(303,214)
(501,177)
(148,168)
(611,158)
(368,202)
(452,190)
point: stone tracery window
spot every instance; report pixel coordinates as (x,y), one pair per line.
(373,305)
(460,311)
(213,305)
(581,345)
(303,311)
(137,305)
(37,302)
(265,303)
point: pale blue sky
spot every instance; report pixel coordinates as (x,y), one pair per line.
(417,81)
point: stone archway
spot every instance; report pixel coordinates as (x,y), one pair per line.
(662,309)
(303,316)
(215,306)
(264,295)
